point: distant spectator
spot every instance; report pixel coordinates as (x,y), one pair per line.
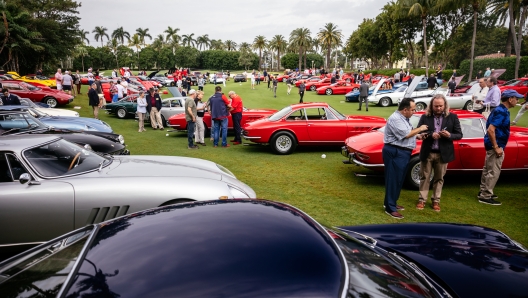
(200,113)
(153,108)
(431,82)
(274,83)
(121,91)
(452,85)
(67,82)
(363,95)
(78,82)
(523,109)
(58,79)
(113,92)
(487,74)
(141,110)
(397,77)
(94,101)
(302,88)
(236,114)
(479,75)
(8,99)
(190,117)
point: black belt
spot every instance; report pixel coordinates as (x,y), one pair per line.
(435,151)
(399,147)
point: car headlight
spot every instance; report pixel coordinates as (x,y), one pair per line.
(223,169)
(87,146)
(237,193)
(121,139)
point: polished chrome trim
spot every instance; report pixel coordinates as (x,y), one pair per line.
(366,165)
(250,138)
(20,244)
(175,125)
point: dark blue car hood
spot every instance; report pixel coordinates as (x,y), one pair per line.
(470,260)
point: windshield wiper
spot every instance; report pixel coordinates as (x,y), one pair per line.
(107,157)
(8,131)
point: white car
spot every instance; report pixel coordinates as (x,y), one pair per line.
(455,100)
(50,111)
(219,78)
(393,98)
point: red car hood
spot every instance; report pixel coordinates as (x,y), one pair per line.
(371,143)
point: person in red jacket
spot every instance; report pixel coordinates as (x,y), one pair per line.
(236,114)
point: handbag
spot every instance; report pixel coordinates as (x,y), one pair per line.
(486,112)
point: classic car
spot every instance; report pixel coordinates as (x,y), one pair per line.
(54,186)
(219,77)
(353,96)
(455,100)
(307,124)
(312,86)
(365,150)
(162,79)
(65,123)
(51,97)
(127,107)
(178,122)
(464,88)
(301,77)
(312,79)
(284,77)
(130,90)
(21,122)
(520,85)
(266,249)
(240,78)
(391,98)
(340,87)
(37,80)
(47,110)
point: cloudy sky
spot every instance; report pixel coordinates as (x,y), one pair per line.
(239,21)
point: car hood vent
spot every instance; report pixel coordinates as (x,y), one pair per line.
(98,215)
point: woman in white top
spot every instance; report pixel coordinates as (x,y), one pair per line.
(141,110)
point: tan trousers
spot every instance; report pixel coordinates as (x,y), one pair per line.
(490,173)
(432,164)
(96,111)
(199,130)
(141,121)
(155,118)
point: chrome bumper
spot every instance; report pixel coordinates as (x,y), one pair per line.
(352,158)
(250,138)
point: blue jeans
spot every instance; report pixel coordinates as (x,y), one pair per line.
(217,124)
(190,132)
(395,161)
(114,98)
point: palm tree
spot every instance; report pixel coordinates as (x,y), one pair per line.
(301,40)
(316,45)
(329,37)
(217,44)
(203,40)
(230,45)
(81,51)
(422,9)
(142,33)
(259,43)
(517,38)
(135,41)
(157,46)
(120,34)
(244,46)
(83,36)
(100,33)
(172,34)
(279,44)
(113,44)
(187,39)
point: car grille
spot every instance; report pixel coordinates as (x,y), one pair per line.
(105,213)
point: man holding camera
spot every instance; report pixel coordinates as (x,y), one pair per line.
(437,148)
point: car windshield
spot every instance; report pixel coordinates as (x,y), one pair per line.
(337,113)
(19,122)
(61,158)
(27,102)
(511,83)
(401,89)
(280,114)
(414,122)
(29,86)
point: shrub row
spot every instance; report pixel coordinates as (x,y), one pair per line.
(507,63)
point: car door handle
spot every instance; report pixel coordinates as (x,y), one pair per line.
(464,145)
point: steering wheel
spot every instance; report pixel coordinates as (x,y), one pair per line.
(75,158)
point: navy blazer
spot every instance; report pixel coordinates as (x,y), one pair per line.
(10,100)
(149,102)
(447,150)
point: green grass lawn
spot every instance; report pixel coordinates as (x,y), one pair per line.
(326,188)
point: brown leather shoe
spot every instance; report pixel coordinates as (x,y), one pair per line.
(436,206)
(396,215)
(420,205)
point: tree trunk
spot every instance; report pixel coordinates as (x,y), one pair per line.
(300,56)
(138,59)
(508,51)
(260,58)
(475,14)
(328,58)
(425,48)
(304,60)
(516,39)
(278,60)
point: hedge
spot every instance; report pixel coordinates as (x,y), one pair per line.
(446,74)
(507,63)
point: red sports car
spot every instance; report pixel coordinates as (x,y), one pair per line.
(338,88)
(179,123)
(284,78)
(520,85)
(51,97)
(365,150)
(106,90)
(310,80)
(312,86)
(307,124)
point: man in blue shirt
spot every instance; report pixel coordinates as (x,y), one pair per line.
(487,74)
(495,140)
(493,97)
(399,141)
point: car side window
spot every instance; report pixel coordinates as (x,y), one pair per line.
(316,114)
(296,115)
(10,86)
(10,168)
(175,103)
(472,128)
(165,104)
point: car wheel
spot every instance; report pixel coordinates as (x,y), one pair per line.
(313,88)
(50,101)
(121,113)
(469,105)
(328,91)
(420,106)
(355,89)
(163,121)
(412,178)
(283,143)
(284,80)
(385,102)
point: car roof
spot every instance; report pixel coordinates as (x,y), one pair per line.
(460,113)
(17,143)
(308,105)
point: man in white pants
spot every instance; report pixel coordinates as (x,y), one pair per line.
(200,128)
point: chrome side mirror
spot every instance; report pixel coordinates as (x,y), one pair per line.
(26,178)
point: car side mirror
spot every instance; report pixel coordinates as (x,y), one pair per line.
(26,178)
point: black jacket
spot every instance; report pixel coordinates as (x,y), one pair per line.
(93,97)
(10,100)
(431,82)
(447,150)
(451,85)
(149,102)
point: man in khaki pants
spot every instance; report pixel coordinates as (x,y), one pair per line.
(437,148)
(495,140)
(153,108)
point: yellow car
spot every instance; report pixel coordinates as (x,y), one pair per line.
(32,78)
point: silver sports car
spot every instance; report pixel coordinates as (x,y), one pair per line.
(49,186)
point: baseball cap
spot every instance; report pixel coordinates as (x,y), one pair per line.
(511,93)
(192,91)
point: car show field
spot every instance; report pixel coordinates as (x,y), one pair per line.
(325,187)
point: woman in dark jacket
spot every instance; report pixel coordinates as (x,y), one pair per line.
(93,100)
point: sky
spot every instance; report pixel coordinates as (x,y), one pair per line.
(240,21)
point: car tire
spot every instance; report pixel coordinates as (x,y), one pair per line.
(121,113)
(328,91)
(283,143)
(313,88)
(469,105)
(163,121)
(385,101)
(412,177)
(284,80)
(420,106)
(50,101)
